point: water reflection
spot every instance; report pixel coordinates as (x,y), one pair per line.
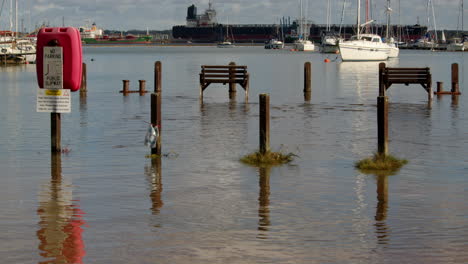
(154,175)
(381,228)
(61,220)
(264,202)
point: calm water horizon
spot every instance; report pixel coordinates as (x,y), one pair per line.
(105,202)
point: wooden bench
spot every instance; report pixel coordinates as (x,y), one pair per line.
(231,74)
(406,76)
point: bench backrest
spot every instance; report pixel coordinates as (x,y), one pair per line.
(232,72)
(404,76)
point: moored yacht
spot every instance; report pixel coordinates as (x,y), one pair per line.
(365,47)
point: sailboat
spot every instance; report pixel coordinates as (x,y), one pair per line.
(457,44)
(390,41)
(276,43)
(363,47)
(329,39)
(303,43)
(226,43)
(12,47)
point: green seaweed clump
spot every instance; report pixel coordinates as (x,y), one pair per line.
(380,163)
(267,159)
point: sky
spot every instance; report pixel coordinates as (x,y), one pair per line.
(163,14)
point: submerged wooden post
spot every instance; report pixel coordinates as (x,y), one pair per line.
(264,123)
(157,77)
(232,84)
(156,120)
(440,87)
(454,77)
(307,81)
(455,85)
(84,81)
(126,84)
(382,125)
(56,134)
(142,87)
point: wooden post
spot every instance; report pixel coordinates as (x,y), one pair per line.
(264,123)
(307,81)
(440,87)
(56,134)
(382,88)
(142,88)
(126,84)
(382,125)
(232,85)
(455,85)
(156,120)
(157,77)
(84,81)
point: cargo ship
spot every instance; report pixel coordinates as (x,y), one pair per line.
(204,28)
(95,35)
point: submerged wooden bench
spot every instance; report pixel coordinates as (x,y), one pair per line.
(406,76)
(231,74)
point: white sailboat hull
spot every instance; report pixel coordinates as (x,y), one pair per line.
(393,52)
(358,50)
(304,45)
(456,47)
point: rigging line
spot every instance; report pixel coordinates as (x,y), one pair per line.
(342,16)
(1,9)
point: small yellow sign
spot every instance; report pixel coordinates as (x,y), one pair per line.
(53,92)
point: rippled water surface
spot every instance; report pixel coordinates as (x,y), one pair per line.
(105,202)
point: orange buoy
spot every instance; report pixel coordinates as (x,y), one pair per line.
(327,60)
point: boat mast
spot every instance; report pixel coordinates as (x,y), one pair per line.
(433,18)
(358,18)
(388,20)
(342,17)
(328,15)
(367,16)
(16,18)
(11,15)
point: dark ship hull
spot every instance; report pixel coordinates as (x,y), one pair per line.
(263,33)
(237,33)
(205,29)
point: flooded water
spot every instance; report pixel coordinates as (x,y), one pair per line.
(104,201)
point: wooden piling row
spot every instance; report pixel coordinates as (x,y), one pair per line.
(126,87)
(455,89)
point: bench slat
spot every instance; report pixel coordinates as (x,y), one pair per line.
(408,76)
(223,67)
(222,81)
(224,75)
(223,71)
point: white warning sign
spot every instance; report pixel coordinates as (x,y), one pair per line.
(53,100)
(53,68)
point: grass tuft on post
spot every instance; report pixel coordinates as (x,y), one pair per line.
(380,163)
(268,158)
